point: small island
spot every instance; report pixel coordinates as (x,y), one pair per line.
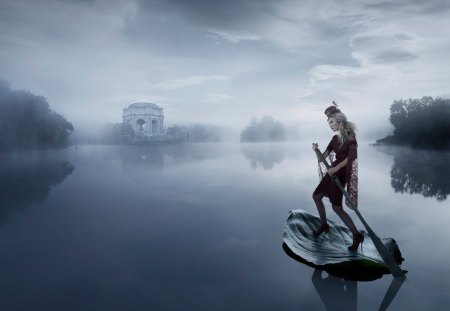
(420,123)
(265,130)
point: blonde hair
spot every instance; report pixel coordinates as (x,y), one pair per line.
(346,128)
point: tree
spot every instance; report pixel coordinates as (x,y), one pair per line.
(420,123)
(267,129)
(118,133)
(204,133)
(27,122)
(177,133)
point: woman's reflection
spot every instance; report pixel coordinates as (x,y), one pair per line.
(341,294)
(336,293)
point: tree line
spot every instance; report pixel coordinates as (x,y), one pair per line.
(420,123)
(123,133)
(27,122)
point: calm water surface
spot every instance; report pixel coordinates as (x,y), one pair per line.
(199,227)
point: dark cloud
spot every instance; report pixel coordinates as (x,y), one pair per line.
(250,16)
(199,29)
(169,34)
(377,41)
(359,41)
(176,27)
(404,37)
(332,29)
(229,14)
(83,2)
(230,29)
(394,56)
(385,49)
(373,43)
(412,6)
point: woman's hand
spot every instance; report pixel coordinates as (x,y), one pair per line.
(332,170)
(314,147)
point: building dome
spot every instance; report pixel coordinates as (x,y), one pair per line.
(144,105)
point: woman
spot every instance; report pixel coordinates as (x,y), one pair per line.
(344,147)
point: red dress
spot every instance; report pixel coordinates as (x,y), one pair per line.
(346,175)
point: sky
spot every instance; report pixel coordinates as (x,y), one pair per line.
(226,62)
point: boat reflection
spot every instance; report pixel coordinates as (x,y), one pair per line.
(335,293)
(341,294)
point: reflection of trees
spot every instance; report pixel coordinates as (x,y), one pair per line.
(27,179)
(267,155)
(421,172)
(264,157)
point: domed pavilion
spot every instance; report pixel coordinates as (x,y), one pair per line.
(146,119)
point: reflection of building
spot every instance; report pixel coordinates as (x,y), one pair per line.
(146,119)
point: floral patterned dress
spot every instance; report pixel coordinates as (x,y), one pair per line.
(347,175)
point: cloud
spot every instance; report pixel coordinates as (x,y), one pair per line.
(225,14)
(282,58)
(219,36)
(326,72)
(285,24)
(411,6)
(404,36)
(384,48)
(394,56)
(216,98)
(189,81)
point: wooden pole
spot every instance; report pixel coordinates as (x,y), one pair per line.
(384,253)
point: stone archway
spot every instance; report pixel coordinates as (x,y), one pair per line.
(140,127)
(155,127)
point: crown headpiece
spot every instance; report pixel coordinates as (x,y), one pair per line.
(332,109)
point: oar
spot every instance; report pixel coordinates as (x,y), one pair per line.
(392,291)
(384,253)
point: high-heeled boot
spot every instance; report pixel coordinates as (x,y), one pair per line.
(357,239)
(323,228)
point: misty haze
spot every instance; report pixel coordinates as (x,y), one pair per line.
(151,151)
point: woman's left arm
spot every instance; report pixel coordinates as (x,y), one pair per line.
(334,169)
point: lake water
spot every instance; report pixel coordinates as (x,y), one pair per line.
(199,227)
